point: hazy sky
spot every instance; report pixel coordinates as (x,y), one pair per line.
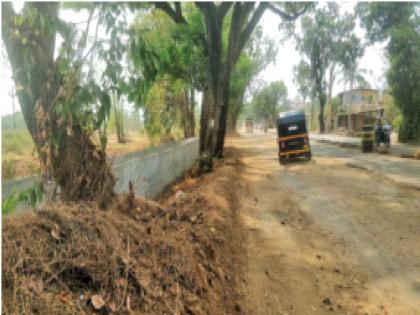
(373,60)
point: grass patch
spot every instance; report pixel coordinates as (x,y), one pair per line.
(17,143)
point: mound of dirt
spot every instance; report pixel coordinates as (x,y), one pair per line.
(137,258)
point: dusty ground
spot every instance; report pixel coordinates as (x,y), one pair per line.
(324,237)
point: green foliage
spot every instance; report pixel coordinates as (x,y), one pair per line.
(400,23)
(326,39)
(404,77)
(302,78)
(391,110)
(350,51)
(16,142)
(159,47)
(159,112)
(30,196)
(259,52)
(269,101)
(379,18)
(240,79)
(81,99)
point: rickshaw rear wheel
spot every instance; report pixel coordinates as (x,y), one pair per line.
(282,160)
(308,156)
(366,148)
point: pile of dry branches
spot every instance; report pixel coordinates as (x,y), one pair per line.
(137,258)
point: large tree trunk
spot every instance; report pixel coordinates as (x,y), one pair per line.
(320,89)
(187,113)
(118,115)
(191,114)
(321,113)
(331,81)
(206,130)
(233,118)
(222,113)
(67,153)
(349,121)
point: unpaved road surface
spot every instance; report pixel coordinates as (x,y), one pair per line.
(326,237)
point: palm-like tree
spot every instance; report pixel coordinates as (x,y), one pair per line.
(355,77)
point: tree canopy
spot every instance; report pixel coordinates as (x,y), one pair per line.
(326,37)
(399,23)
(269,101)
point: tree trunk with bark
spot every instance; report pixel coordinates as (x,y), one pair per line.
(331,80)
(187,113)
(233,118)
(206,130)
(321,113)
(67,153)
(318,68)
(221,116)
(244,18)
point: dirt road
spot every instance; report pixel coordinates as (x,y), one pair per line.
(327,237)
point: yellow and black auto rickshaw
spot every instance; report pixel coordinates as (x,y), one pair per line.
(249,125)
(368,137)
(293,136)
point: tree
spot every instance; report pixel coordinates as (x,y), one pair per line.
(391,111)
(269,101)
(118,115)
(160,48)
(159,109)
(258,54)
(399,23)
(56,104)
(324,34)
(221,60)
(241,78)
(302,78)
(350,52)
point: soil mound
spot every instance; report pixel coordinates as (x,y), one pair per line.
(137,258)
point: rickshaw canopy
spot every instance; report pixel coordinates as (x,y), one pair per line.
(291,123)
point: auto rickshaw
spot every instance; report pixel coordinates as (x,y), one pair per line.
(293,136)
(249,125)
(368,138)
(383,130)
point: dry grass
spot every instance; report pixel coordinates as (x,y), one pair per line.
(137,258)
(19,159)
(134,141)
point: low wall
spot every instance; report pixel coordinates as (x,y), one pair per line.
(150,170)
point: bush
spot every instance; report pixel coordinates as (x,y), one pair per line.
(8,169)
(17,142)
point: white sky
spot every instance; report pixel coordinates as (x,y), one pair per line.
(373,60)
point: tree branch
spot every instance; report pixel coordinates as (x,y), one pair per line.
(175,15)
(83,41)
(285,15)
(91,50)
(246,33)
(223,8)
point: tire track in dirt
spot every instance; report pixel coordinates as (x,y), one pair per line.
(294,264)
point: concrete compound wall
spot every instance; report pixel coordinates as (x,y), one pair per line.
(150,170)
